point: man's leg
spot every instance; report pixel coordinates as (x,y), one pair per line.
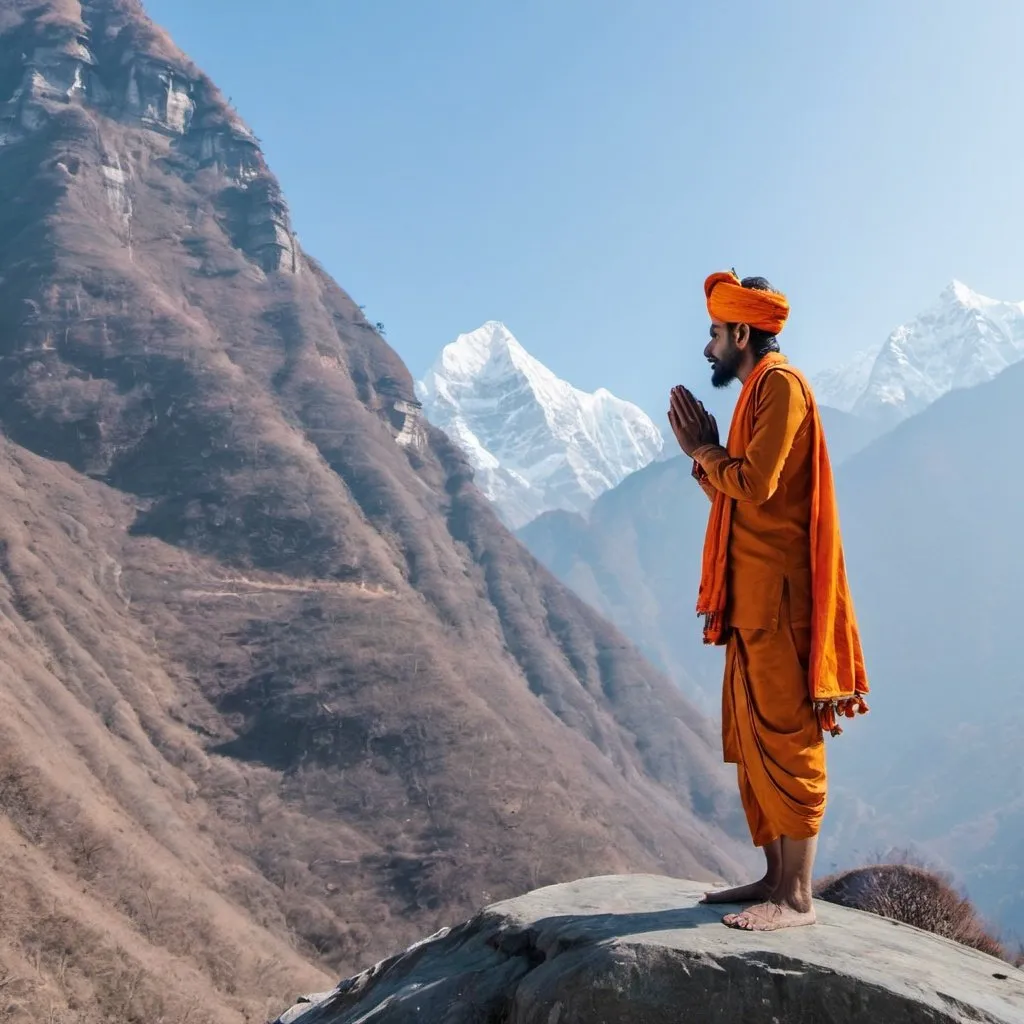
(755,892)
(796,890)
(792,904)
(775,738)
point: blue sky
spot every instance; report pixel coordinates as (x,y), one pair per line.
(576,167)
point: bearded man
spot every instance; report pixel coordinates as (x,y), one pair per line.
(773,591)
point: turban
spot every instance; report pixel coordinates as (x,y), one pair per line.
(731,303)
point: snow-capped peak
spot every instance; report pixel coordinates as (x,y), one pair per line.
(959,292)
(492,353)
(535,441)
(490,345)
(963,339)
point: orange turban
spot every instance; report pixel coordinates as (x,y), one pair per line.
(731,303)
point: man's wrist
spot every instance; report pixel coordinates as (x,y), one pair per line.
(702,451)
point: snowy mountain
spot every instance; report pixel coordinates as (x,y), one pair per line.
(535,442)
(840,387)
(963,340)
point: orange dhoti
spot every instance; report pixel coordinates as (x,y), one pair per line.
(771,732)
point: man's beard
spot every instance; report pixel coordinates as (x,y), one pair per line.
(725,370)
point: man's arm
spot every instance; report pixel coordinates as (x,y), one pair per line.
(780,409)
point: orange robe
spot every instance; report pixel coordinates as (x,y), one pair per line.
(769,726)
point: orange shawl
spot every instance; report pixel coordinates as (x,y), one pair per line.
(836,678)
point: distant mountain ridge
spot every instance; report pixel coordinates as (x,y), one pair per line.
(963,339)
(535,442)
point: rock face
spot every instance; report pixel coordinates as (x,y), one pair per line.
(640,950)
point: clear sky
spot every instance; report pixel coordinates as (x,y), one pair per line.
(576,167)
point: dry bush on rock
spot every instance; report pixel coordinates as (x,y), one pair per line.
(914,895)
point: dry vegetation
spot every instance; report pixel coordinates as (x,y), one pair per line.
(916,895)
(277,695)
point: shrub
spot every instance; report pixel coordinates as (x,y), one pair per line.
(916,896)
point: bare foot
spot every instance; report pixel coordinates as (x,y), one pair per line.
(755,892)
(770,917)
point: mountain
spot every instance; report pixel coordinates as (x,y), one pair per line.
(636,559)
(964,339)
(846,433)
(840,387)
(279,692)
(535,442)
(930,514)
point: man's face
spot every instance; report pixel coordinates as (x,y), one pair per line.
(724,355)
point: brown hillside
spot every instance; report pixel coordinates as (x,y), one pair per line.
(279,693)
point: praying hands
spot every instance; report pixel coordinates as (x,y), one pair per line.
(691,423)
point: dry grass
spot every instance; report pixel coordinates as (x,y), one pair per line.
(911,893)
(56,20)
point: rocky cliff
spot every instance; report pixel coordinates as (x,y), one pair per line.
(640,950)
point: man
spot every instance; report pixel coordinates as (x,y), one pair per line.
(773,590)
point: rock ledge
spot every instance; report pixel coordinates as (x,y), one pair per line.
(639,949)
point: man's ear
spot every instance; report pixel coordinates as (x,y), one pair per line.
(741,336)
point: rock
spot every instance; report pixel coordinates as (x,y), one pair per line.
(639,949)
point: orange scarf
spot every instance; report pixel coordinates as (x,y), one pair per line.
(836,678)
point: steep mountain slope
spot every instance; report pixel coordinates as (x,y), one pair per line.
(963,340)
(279,691)
(535,442)
(636,559)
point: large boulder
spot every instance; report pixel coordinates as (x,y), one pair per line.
(640,949)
